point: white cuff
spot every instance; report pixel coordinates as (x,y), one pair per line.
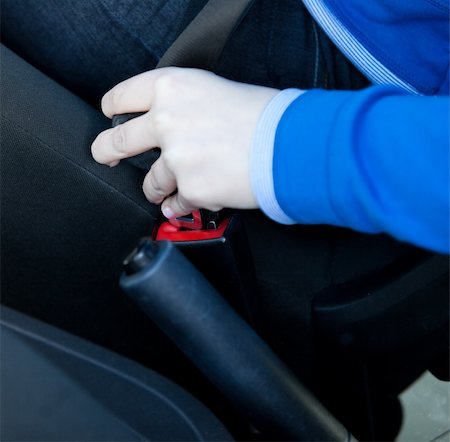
(261,155)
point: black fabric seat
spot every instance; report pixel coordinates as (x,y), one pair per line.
(68,222)
(58,387)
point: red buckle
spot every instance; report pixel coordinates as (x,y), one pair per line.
(189,228)
(169,232)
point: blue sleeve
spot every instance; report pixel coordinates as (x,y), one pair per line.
(375,160)
(403,43)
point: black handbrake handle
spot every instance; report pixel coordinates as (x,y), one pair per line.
(169,289)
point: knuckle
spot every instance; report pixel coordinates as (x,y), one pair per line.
(149,194)
(152,188)
(163,83)
(168,82)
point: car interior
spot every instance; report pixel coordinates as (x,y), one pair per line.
(239,329)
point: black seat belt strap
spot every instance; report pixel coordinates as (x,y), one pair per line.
(201,43)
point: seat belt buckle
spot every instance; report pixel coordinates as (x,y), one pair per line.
(199,225)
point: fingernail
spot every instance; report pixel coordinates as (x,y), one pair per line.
(167,212)
(114,163)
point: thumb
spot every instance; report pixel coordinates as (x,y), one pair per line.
(176,206)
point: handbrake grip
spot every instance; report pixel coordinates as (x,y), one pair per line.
(169,289)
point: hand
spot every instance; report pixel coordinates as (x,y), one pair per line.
(204,125)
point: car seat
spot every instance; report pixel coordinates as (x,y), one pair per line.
(56,387)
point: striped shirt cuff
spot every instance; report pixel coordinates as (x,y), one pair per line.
(374,70)
(261,155)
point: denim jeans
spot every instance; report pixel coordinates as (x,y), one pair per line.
(90,45)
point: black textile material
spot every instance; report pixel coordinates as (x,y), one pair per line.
(90,45)
(67,223)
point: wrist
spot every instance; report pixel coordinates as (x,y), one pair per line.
(261,155)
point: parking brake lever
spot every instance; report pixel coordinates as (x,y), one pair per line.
(170,290)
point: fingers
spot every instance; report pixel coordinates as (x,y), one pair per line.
(159,182)
(123,141)
(176,206)
(135,94)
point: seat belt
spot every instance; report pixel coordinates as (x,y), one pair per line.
(201,43)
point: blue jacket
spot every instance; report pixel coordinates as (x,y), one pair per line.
(375,160)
